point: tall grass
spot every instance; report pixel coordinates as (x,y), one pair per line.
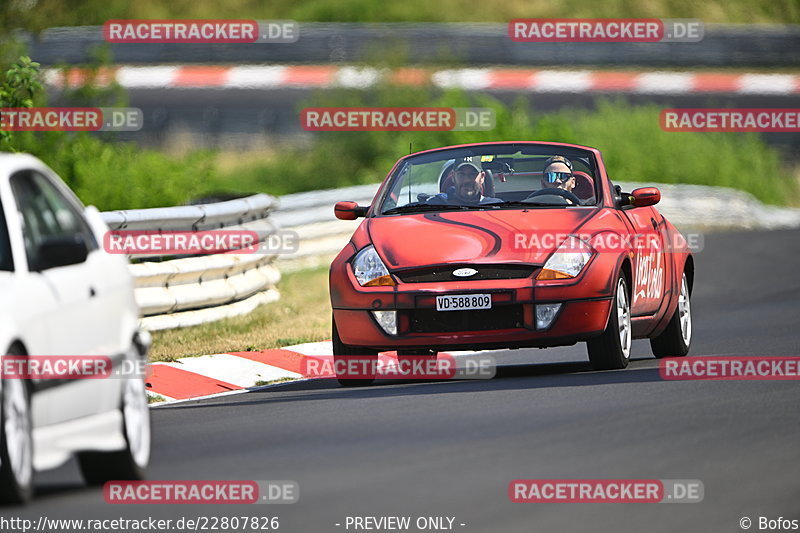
(48,13)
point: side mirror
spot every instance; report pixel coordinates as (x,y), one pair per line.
(349,211)
(61,251)
(645,196)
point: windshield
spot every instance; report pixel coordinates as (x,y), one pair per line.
(492,177)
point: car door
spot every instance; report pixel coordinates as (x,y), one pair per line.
(72,326)
(649,260)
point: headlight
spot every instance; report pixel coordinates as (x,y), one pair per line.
(568,261)
(369,270)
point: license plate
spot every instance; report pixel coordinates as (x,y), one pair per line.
(463,302)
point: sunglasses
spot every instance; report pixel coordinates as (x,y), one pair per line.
(467,174)
(553,177)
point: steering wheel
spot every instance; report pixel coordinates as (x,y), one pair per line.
(555,191)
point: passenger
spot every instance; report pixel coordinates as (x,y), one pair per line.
(468,188)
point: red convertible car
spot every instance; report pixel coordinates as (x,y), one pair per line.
(508,245)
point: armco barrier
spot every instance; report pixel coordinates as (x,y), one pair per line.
(735,45)
(701,207)
(192,290)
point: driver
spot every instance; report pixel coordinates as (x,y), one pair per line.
(558,174)
(469,179)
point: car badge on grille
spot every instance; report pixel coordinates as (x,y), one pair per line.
(464,272)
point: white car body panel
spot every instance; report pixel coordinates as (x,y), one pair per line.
(82,309)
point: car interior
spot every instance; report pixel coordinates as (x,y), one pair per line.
(506,181)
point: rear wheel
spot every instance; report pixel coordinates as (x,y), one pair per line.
(612,349)
(131,462)
(16,442)
(346,356)
(676,339)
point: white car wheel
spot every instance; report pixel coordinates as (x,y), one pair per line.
(16,442)
(129,463)
(136,414)
(612,349)
(676,339)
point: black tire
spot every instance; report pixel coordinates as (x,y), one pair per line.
(607,351)
(16,488)
(676,339)
(131,462)
(343,353)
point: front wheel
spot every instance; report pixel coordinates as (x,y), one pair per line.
(16,442)
(676,339)
(131,462)
(348,360)
(612,349)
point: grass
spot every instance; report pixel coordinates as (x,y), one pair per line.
(47,13)
(301,315)
(261,383)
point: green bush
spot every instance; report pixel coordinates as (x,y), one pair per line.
(119,175)
(102,173)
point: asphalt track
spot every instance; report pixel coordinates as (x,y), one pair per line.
(451,448)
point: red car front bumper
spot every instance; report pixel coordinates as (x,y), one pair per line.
(510,323)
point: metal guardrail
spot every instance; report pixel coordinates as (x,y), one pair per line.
(689,207)
(192,290)
(469,43)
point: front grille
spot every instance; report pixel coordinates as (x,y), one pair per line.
(445,273)
(433,321)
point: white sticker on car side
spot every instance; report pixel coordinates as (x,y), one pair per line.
(649,277)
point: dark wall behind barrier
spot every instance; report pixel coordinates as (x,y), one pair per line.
(473,44)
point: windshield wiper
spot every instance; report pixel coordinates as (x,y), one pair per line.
(429,207)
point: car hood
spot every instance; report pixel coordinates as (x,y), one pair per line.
(480,236)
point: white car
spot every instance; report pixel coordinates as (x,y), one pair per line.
(63,295)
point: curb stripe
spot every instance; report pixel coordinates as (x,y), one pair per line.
(537,80)
(410,76)
(314,76)
(284,359)
(716,83)
(181,384)
(210,375)
(512,79)
(201,76)
(614,81)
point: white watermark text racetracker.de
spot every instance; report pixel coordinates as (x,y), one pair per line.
(71,119)
(397,119)
(773,120)
(466,366)
(201,492)
(606,30)
(201,31)
(167,242)
(606,491)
